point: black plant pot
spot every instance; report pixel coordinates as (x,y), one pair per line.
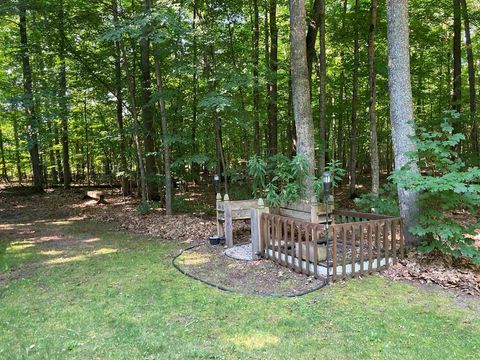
(214,240)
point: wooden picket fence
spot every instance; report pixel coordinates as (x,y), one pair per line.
(357,244)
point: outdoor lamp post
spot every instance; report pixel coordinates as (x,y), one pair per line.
(327,186)
(216,183)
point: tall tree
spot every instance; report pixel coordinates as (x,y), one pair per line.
(28,102)
(457,59)
(372,82)
(256,86)
(353,119)
(2,158)
(302,111)
(147,109)
(165,134)
(62,98)
(272,106)
(401,104)
(471,80)
(313,26)
(322,77)
(119,106)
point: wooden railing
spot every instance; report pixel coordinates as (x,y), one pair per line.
(357,244)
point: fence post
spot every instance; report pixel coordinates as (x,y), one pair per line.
(256,229)
(228,221)
(220,231)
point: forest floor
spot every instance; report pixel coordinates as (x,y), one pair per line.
(76,281)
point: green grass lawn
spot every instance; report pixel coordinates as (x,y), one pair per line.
(116,296)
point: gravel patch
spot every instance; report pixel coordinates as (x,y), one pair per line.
(240,252)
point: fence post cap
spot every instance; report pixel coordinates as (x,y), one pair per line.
(226,198)
(261,204)
(219,197)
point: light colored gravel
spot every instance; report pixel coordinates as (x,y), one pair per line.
(240,252)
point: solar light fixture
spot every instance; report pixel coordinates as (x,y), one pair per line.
(216,183)
(327,182)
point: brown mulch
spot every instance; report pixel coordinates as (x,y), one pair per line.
(439,269)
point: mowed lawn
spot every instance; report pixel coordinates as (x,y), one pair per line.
(81,290)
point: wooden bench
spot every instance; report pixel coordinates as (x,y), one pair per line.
(229,211)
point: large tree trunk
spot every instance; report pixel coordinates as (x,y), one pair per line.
(401,104)
(256,86)
(301,92)
(67,175)
(272,106)
(119,107)
(457,60)
(372,82)
(471,81)
(322,88)
(28,103)
(353,128)
(147,111)
(165,135)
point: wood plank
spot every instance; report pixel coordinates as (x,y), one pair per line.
(402,242)
(308,232)
(361,247)
(292,245)
(344,252)
(369,244)
(315,250)
(377,243)
(300,247)
(334,251)
(285,240)
(385,242)
(394,241)
(354,252)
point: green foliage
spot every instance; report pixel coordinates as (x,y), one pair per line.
(257,169)
(334,167)
(147,206)
(445,185)
(385,203)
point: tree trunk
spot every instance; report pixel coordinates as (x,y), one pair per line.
(457,60)
(119,107)
(131,90)
(17,150)
(256,86)
(195,166)
(28,103)
(353,128)
(471,81)
(147,111)
(165,135)
(313,26)
(401,104)
(322,88)
(301,93)
(2,158)
(372,82)
(67,175)
(51,155)
(342,123)
(272,106)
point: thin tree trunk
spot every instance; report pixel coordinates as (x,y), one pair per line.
(272,106)
(195,166)
(342,119)
(119,107)
(353,128)
(457,60)
(2,158)
(401,104)
(301,93)
(51,155)
(471,80)
(17,150)
(164,124)
(28,103)
(256,86)
(313,27)
(147,111)
(267,66)
(138,147)
(372,81)
(322,88)
(67,175)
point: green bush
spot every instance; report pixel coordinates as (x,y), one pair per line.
(445,185)
(385,203)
